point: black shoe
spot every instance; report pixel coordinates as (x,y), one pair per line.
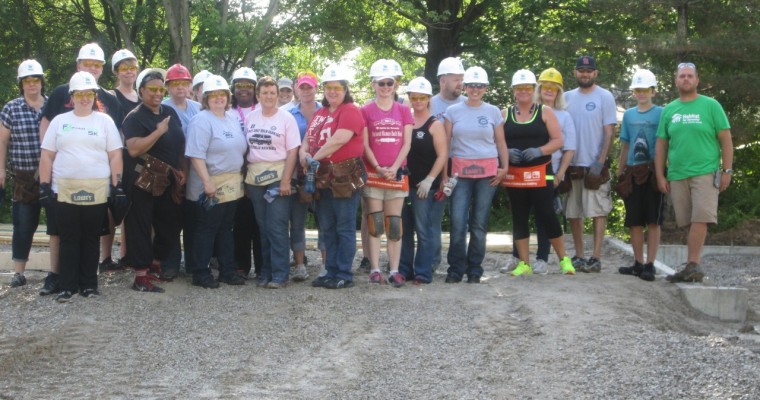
(51,285)
(169,275)
(634,269)
(232,279)
(364,265)
(320,281)
(64,297)
(648,272)
(205,281)
(473,279)
(452,279)
(89,293)
(108,265)
(18,280)
(337,283)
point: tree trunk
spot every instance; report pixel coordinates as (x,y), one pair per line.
(178,18)
(121,26)
(261,32)
(682,32)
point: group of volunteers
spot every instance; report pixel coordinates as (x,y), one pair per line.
(234,167)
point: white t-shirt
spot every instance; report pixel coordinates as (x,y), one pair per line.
(590,113)
(270,138)
(81,145)
(568,137)
(438,105)
(472,132)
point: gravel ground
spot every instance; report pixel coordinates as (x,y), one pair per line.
(590,336)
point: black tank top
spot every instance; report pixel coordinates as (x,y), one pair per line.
(127,105)
(523,135)
(422,155)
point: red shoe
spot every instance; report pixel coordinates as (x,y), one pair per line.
(144,282)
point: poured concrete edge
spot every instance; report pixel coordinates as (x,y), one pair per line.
(724,303)
(658,265)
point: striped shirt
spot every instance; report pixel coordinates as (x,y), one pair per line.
(24,123)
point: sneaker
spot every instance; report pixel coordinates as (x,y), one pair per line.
(376,277)
(144,284)
(89,293)
(336,283)
(64,297)
(566,265)
(18,280)
(579,263)
(509,265)
(274,285)
(634,269)
(262,283)
(419,280)
(234,279)
(648,272)
(691,273)
(364,265)
(108,265)
(154,271)
(540,267)
(300,273)
(397,280)
(169,275)
(205,281)
(593,265)
(473,279)
(51,285)
(522,269)
(320,281)
(452,279)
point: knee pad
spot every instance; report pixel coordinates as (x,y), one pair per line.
(393,228)
(375,225)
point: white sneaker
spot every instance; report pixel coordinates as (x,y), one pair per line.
(540,267)
(300,273)
(509,265)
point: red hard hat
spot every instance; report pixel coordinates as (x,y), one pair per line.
(178,72)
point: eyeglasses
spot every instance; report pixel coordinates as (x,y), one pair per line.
(333,88)
(127,68)
(385,83)
(79,96)
(523,88)
(418,97)
(245,86)
(551,87)
(687,65)
(176,84)
(476,85)
(216,93)
(156,89)
(642,90)
(31,80)
(91,64)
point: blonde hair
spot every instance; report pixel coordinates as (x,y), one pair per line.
(559,101)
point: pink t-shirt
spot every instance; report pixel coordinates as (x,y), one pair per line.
(324,124)
(386,131)
(270,138)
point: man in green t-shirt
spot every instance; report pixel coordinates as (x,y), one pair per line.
(694,136)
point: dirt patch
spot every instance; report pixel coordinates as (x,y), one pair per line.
(746,233)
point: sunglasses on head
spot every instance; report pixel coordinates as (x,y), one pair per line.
(687,65)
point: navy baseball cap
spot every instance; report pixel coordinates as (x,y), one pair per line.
(587,62)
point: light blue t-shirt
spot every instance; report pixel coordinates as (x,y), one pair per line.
(219,142)
(438,105)
(301,120)
(192,108)
(639,130)
(590,113)
(568,137)
(472,131)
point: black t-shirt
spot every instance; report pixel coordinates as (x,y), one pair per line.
(422,155)
(60,102)
(127,105)
(523,135)
(141,122)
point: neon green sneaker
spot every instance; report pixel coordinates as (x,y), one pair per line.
(522,269)
(567,266)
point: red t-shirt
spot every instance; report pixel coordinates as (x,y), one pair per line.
(324,124)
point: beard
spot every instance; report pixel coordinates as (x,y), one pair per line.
(586,84)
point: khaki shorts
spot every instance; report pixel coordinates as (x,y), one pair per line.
(695,199)
(585,203)
(383,194)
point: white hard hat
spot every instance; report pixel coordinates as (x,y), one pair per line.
(450,65)
(523,77)
(82,80)
(335,72)
(643,79)
(242,73)
(29,68)
(216,82)
(91,51)
(420,85)
(200,77)
(382,69)
(476,75)
(120,56)
(395,67)
(146,71)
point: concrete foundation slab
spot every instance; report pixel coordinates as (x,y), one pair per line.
(724,303)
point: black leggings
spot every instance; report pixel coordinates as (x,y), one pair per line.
(522,200)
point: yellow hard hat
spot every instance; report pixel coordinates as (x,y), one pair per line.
(551,75)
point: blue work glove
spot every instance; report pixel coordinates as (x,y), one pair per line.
(531,154)
(515,156)
(46,195)
(596,168)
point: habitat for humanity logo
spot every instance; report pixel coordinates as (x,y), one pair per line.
(686,119)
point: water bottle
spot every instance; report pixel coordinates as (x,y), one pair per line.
(449,186)
(310,184)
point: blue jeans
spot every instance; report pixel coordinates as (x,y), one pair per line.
(470,205)
(212,234)
(26,218)
(337,223)
(422,216)
(273,219)
(298,224)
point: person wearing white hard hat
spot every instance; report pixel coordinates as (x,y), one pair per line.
(387,139)
(334,140)
(124,65)
(153,176)
(479,161)
(81,160)
(450,75)
(20,142)
(422,213)
(215,150)
(533,134)
(637,182)
(198,80)
(90,59)
(594,114)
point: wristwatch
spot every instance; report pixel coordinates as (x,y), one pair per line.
(728,171)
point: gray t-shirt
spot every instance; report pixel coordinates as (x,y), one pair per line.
(439,105)
(472,131)
(219,142)
(568,137)
(590,113)
(192,108)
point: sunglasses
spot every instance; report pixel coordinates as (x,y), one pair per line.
(476,85)
(551,87)
(523,88)
(306,73)
(642,90)
(245,86)
(333,88)
(687,65)
(386,83)
(79,96)
(176,84)
(127,68)
(418,97)
(216,93)
(156,89)
(31,80)
(91,64)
